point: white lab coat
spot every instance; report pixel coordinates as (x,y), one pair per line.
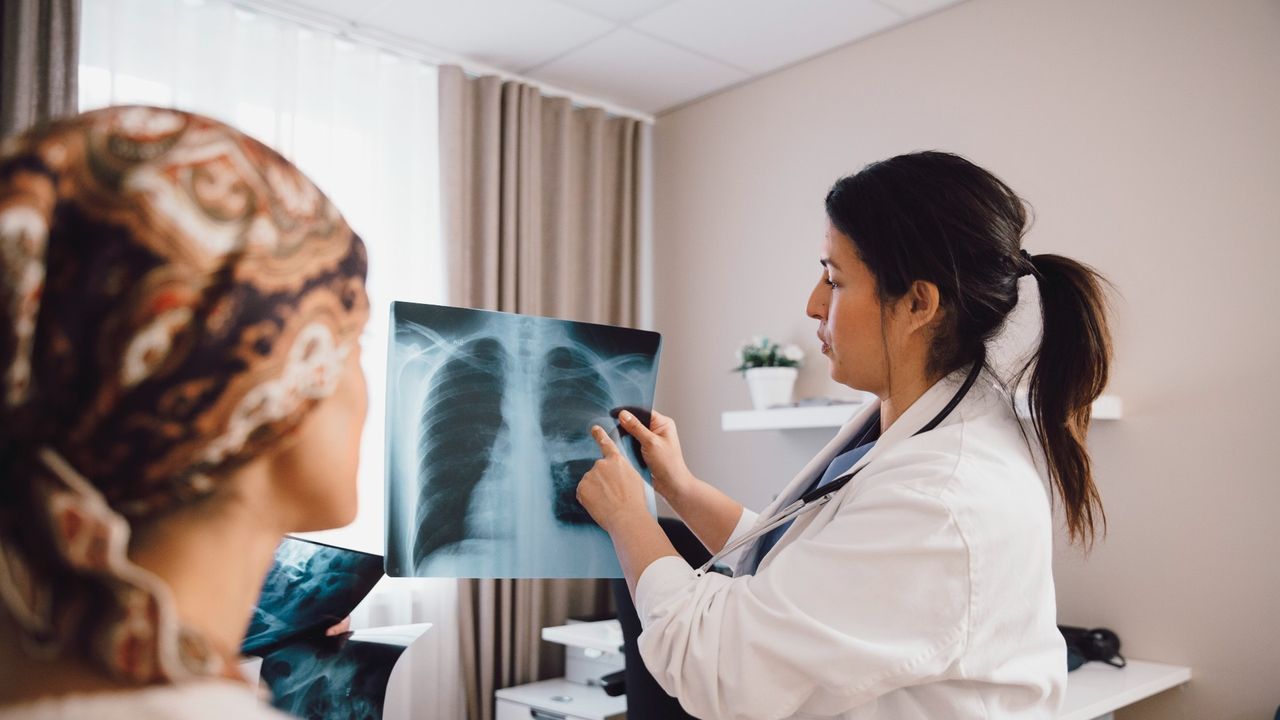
(923,590)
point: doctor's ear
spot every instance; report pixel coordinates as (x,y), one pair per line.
(922,304)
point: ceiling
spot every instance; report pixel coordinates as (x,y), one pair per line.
(647,56)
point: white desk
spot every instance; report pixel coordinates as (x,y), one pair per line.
(557,699)
(1106,407)
(1096,690)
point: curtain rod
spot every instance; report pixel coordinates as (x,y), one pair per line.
(398,45)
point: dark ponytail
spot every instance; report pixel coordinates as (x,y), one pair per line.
(1068,372)
(937,217)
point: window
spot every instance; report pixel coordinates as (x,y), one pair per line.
(361,122)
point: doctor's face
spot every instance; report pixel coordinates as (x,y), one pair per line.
(847,307)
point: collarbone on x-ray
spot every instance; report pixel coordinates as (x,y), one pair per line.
(489,418)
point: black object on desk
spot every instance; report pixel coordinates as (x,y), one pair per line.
(615,683)
(1084,645)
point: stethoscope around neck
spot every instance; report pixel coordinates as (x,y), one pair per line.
(822,495)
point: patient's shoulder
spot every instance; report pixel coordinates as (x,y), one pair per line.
(203,700)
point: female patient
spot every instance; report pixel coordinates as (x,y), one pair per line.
(179,387)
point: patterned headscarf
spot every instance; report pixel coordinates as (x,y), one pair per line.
(178,297)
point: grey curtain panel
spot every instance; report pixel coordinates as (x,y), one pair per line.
(541,213)
(39,61)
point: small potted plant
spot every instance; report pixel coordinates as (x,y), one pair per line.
(770,370)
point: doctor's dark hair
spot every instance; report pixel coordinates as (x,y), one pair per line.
(939,218)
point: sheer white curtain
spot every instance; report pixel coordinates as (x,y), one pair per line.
(362,123)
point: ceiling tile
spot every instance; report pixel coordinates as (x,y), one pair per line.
(763,35)
(637,71)
(912,8)
(513,35)
(622,11)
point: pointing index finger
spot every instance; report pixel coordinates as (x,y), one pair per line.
(607,448)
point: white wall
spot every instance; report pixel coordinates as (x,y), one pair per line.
(1146,133)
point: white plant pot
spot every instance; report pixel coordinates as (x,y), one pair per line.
(771,386)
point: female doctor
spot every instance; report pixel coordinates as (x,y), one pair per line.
(916,581)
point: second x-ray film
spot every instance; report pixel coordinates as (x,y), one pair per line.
(488,433)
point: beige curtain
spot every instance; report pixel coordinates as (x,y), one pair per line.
(540,202)
(39,47)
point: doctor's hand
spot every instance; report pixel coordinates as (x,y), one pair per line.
(612,491)
(660,448)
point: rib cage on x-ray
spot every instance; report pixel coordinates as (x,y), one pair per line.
(461,422)
(574,396)
(488,436)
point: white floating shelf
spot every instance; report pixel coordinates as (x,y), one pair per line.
(789,418)
(1096,689)
(1107,407)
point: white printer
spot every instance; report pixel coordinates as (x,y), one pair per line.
(592,652)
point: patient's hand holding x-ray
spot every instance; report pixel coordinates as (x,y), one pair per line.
(488,426)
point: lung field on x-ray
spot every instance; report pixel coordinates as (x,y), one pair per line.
(488,436)
(574,396)
(461,422)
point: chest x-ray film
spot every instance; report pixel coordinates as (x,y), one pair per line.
(489,421)
(310,587)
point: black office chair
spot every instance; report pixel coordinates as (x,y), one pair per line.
(646,700)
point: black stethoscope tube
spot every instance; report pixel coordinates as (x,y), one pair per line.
(819,496)
(840,482)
